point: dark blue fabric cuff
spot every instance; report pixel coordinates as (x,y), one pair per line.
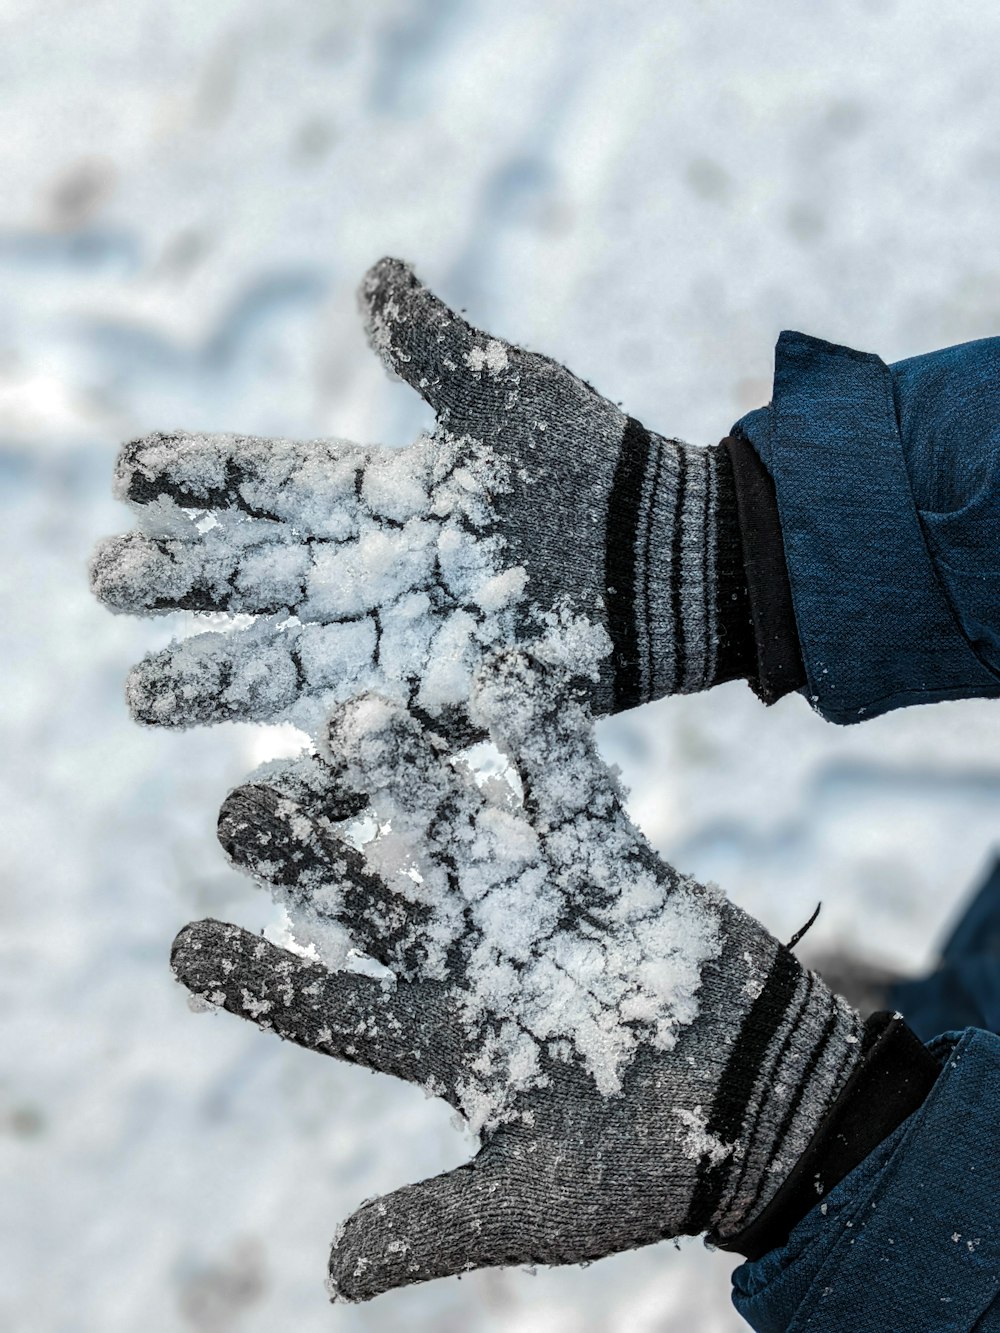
(876,629)
(909,1242)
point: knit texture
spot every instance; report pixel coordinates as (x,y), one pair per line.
(650,1063)
(535,504)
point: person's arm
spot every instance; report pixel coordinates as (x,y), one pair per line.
(886,485)
(909,1242)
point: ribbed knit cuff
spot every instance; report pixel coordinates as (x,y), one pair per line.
(894,1077)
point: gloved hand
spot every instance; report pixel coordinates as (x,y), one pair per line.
(394,571)
(640,1058)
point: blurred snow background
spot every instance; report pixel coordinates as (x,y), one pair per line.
(190,193)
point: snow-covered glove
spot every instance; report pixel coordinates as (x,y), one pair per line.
(640,1058)
(537,512)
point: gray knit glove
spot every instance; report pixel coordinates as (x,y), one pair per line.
(537,512)
(640,1058)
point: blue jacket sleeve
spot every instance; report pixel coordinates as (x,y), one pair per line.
(909,1242)
(888,488)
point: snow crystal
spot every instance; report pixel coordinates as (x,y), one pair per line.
(493,357)
(254,1006)
(697,1143)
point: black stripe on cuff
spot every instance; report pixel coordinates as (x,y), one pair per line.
(619,562)
(760,1027)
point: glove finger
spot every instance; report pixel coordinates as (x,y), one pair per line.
(426,809)
(323,488)
(311,483)
(449,1224)
(401,762)
(538,716)
(407,1031)
(229,571)
(257,674)
(137,574)
(267,672)
(426,343)
(268,834)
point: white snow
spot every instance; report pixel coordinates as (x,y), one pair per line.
(697,1141)
(190,195)
(493,357)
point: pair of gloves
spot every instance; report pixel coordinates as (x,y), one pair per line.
(640,1058)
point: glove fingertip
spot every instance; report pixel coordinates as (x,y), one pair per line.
(510,689)
(416,335)
(346,1267)
(105,570)
(150,700)
(142,467)
(245,819)
(384,277)
(196,949)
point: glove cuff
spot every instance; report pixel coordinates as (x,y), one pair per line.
(892,1080)
(793,1051)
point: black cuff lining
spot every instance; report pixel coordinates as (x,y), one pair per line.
(779,657)
(736,649)
(891,1082)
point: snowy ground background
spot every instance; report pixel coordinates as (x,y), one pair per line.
(190,193)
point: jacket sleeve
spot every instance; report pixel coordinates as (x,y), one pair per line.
(909,1242)
(888,489)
